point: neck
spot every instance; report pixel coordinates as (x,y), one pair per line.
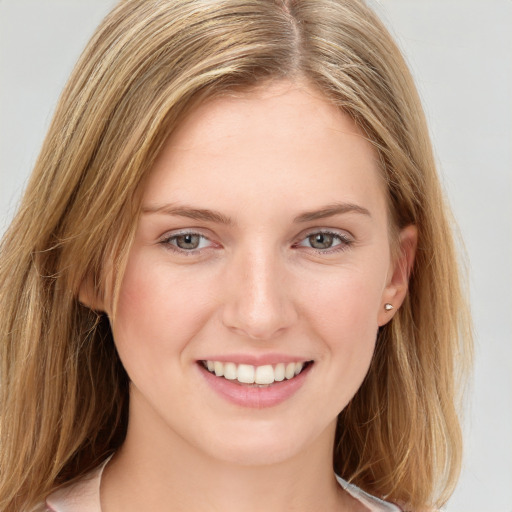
(157,470)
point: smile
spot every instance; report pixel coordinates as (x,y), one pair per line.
(264,375)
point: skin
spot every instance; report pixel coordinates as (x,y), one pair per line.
(255,286)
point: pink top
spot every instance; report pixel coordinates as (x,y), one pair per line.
(84,496)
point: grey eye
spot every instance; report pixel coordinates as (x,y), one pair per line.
(321,240)
(188,241)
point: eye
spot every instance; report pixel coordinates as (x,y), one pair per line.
(325,240)
(186,242)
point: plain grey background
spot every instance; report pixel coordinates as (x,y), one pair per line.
(461,55)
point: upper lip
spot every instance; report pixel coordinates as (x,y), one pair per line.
(256,359)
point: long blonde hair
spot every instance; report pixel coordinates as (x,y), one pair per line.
(64,392)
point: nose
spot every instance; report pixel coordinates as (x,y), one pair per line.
(259,302)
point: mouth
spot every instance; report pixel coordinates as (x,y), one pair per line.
(256,376)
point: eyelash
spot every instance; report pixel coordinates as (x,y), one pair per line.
(344,242)
(167,242)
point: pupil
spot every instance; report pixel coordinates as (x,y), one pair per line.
(321,240)
(187,241)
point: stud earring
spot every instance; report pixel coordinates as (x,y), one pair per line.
(388,306)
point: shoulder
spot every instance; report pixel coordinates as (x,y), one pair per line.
(372,503)
(40,507)
(80,496)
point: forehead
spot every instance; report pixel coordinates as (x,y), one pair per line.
(268,109)
(280,140)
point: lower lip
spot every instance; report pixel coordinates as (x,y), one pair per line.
(253,396)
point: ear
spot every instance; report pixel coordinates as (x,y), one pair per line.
(89,296)
(399,273)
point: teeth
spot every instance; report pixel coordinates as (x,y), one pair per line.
(264,374)
(279,372)
(290,370)
(218,368)
(245,373)
(230,371)
(248,374)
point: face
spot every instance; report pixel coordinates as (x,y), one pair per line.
(262,252)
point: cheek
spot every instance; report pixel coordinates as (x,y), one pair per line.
(158,312)
(348,328)
(346,299)
(342,310)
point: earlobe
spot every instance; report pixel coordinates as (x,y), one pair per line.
(400,271)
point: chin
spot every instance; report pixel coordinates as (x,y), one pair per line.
(261,444)
(255,453)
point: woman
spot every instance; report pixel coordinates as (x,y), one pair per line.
(232,273)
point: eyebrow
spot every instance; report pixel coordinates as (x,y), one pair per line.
(207,215)
(190,212)
(331,210)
